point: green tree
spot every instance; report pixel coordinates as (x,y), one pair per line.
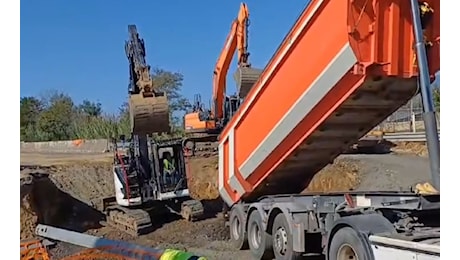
(56,119)
(171,84)
(55,116)
(30,110)
(89,108)
(123,119)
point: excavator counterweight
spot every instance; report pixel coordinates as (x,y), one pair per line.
(148,107)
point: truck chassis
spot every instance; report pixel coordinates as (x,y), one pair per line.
(356,225)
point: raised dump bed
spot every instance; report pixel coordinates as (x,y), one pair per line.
(343,68)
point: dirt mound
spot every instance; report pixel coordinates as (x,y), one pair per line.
(203,176)
(42,202)
(86,181)
(418,148)
(342,175)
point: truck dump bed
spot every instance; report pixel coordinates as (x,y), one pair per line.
(343,68)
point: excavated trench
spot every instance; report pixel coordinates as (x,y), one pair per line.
(42,202)
(61,195)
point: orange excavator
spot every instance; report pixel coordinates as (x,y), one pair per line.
(205,126)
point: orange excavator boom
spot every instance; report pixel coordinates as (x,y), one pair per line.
(223,107)
(245,76)
(220,72)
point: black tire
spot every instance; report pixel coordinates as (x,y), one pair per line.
(282,240)
(260,242)
(238,235)
(346,244)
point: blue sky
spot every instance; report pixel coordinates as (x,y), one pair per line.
(78,46)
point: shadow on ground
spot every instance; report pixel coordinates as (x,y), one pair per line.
(381,147)
(51,206)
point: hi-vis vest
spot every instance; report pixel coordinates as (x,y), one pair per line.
(171,254)
(167,165)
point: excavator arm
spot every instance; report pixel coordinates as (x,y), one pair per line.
(207,128)
(148,107)
(242,35)
(237,41)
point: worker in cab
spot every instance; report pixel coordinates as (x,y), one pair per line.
(169,171)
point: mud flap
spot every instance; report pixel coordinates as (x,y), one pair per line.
(149,114)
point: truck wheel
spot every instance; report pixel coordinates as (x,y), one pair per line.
(282,239)
(346,244)
(260,242)
(238,235)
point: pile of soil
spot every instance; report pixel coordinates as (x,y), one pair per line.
(418,148)
(203,177)
(342,175)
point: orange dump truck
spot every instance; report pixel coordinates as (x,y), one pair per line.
(343,68)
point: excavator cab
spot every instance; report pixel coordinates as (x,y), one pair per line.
(232,103)
(147,170)
(169,164)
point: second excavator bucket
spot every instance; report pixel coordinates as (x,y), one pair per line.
(149,114)
(245,78)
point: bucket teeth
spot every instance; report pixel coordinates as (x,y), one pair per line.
(149,114)
(245,78)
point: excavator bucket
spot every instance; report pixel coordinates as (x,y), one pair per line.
(245,78)
(149,114)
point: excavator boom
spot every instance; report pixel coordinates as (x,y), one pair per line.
(223,107)
(220,72)
(245,76)
(148,107)
(324,88)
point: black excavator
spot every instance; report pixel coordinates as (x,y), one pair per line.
(149,175)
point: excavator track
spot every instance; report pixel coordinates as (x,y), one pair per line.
(132,221)
(245,78)
(192,210)
(149,114)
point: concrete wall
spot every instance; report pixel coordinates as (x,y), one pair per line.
(74,146)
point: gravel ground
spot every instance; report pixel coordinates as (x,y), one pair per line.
(390,172)
(209,237)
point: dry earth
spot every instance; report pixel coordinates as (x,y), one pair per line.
(66,185)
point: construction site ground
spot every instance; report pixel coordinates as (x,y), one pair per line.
(66,186)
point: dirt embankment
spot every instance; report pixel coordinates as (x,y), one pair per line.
(57,195)
(203,176)
(62,195)
(42,202)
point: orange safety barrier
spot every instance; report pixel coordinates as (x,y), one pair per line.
(33,250)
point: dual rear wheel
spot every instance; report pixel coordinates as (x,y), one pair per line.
(276,245)
(345,244)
